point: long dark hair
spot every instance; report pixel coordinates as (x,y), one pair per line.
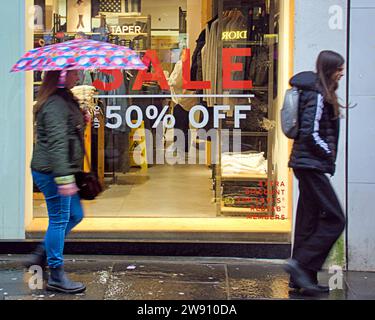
(49,88)
(327,64)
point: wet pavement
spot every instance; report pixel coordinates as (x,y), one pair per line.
(176,278)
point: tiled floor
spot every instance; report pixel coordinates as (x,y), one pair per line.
(165,191)
(163,200)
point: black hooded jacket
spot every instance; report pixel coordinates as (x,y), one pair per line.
(315,147)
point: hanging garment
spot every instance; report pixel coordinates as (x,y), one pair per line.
(261,67)
(196,63)
(237,22)
(87,78)
(122,102)
(85,95)
(196,60)
(210,52)
(95,8)
(209,60)
(175,82)
(182,123)
(133,6)
(42,5)
(110,5)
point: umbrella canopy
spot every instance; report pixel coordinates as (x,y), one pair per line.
(79,54)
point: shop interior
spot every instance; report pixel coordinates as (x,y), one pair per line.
(246,191)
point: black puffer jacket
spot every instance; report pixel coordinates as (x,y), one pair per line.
(316,145)
(60,129)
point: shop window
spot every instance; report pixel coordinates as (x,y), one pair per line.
(216,162)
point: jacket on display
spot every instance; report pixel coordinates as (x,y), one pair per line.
(316,145)
(196,60)
(95,8)
(209,60)
(60,129)
(234,23)
(209,52)
(122,102)
(175,82)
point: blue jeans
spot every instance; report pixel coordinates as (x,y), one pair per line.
(64,213)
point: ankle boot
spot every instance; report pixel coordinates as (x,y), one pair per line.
(311,276)
(38,257)
(302,278)
(294,286)
(58,281)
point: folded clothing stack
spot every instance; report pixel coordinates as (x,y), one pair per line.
(243,163)
(244,194)
(85,95)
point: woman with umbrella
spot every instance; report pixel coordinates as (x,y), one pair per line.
(58,153)
(56,158)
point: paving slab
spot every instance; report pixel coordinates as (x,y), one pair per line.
(176,278)
(361,285)
(195,272)
(126,287)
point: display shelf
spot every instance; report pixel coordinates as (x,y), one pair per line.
(81,32)
(68,33)
(129,34)
(222,180)
(244,177)
(244,133)
(252,89)
(239,210)
(258,89)
(248,43)
(120,15)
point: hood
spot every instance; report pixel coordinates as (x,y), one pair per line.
(307,80)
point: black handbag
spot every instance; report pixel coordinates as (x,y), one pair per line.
(87,182)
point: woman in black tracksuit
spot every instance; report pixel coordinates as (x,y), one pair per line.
(320,219)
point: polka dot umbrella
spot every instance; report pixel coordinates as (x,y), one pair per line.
(79,54)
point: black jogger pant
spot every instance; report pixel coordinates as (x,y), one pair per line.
(320,219)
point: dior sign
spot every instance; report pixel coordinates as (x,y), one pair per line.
(234,35)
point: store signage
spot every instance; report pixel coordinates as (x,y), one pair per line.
(157,74)
(125,29)
(234,35)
